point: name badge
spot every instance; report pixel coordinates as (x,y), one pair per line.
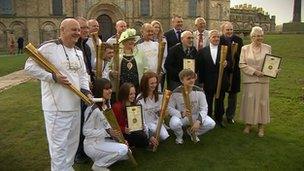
(189,64)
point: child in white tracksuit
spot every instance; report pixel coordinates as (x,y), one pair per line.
(151,101)
(199,108)
(98,144)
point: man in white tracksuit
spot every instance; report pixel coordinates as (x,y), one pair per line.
(61,107)
(199,108)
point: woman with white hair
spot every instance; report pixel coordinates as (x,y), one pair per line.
(255,99)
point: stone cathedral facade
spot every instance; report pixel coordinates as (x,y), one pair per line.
(37,21)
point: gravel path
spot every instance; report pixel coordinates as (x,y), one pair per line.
(13,79)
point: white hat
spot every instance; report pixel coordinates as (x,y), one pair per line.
(130,33)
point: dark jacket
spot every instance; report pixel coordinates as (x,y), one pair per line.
(171,38)
(235,70)
(174,61)
(208,71)
(81,43)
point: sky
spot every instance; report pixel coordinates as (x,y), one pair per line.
(282,9)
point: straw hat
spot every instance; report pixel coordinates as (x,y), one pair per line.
(130,33)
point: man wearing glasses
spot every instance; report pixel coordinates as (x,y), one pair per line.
(181,56)
(60,106)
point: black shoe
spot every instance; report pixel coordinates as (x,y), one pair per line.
(80,159)
(220,124)
(230,121)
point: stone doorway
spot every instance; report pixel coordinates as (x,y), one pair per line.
(106,28)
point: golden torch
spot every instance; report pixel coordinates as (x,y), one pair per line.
(163,109)
(108,113)
(186,98)
(48,66)
(95,41)
(234,47)
(116,67)
(160,56)
(221,71)
(99,60)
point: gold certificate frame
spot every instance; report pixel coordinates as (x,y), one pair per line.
(270,65)
(134,115)
(189,64)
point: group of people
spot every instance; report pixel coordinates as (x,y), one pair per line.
(12,44)
(190,59)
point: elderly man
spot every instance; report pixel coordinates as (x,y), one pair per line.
(229,38)
(80,156)
(61,107)
(173,35)
(93,41)
(181,56)
(201,35)
(148,49)
(120,27)
(209,58)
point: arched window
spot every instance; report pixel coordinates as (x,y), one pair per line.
(3,38)
(6,7)
(106,28)
(57,7)
(48,31)
(145,7)
(192,8)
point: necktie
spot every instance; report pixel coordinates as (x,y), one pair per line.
(187,52)
(200,41)
(178,35)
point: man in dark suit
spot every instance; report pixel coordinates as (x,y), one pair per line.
(209,58)
(80,156)
(173,36)
(179,54)
(229,38)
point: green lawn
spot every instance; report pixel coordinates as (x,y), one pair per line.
(11,63)
(24,147)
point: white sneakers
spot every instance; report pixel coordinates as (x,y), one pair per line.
(179,141)
(99,168)
(196,137)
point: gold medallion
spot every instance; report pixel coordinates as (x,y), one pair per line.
(129,65)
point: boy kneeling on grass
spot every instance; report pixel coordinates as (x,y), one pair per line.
(199,108)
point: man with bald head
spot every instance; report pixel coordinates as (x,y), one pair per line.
(209,59)
(228,38)
(61,107)
(181,56)
(201,35)
(120,27)
(148,49)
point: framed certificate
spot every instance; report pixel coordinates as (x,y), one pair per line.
(270,65)
(134,115)
(189,64)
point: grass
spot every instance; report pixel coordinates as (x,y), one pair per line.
(11,63)
(24,147)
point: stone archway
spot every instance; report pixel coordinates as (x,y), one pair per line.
(3,37)
(48,31)
(106,28)
(105,14)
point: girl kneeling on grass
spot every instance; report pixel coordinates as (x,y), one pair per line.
(126,97)
(99,144)
(151,100)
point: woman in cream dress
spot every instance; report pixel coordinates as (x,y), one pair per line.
(255,99)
